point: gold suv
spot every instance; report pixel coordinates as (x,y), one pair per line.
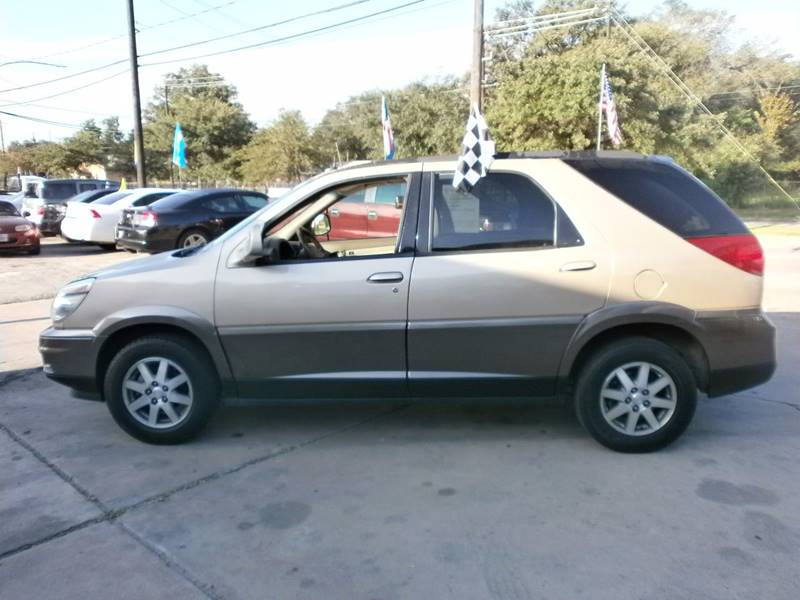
(614,279)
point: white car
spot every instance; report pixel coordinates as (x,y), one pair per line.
(96,221)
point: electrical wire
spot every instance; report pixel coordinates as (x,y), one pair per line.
(44,121)
(284,38)
(69,91)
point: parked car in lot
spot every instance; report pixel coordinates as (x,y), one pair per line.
(185,219)
(46,201)
(96,221)
(615,280)
(16,232)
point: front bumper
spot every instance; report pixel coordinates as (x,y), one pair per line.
(69,357)
(740,347)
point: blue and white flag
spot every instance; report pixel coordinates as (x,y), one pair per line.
(388,135)
(179,147)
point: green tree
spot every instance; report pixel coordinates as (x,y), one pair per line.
(214,124)
(279,154)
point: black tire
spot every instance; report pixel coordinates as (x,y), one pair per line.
(108,247)
(35,250)
(189,232)
(630,350)
(195,363)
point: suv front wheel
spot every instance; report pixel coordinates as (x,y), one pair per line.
(161,389)
(635,395)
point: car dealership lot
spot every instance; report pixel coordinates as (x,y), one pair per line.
(388,499)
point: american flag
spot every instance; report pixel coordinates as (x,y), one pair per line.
(608,105)
(388,134)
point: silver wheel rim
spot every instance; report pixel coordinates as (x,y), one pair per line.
(157,392)
(638,398)
(194,239)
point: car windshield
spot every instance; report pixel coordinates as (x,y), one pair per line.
(87,196)
(58,190)
(111,198)
(7,210)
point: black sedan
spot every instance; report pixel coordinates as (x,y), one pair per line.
(185,219)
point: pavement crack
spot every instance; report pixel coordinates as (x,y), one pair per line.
(107,515)
(216,475)
(113,515)
(756,396)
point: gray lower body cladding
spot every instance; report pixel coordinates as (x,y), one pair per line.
(486,357)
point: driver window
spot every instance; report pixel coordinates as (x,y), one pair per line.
(352,220)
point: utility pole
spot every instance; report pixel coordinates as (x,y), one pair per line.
(138,137)
(169,112)
(476,78)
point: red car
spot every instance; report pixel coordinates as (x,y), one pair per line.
(16,232)
(370,212)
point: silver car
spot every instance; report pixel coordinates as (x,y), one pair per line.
(615,280)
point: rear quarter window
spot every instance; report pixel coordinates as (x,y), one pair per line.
(664,192)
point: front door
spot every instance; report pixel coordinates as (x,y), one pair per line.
(502,280)
(322,326)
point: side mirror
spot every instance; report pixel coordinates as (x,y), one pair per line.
(398,202)
(321,225)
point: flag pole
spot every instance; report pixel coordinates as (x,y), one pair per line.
(600,109)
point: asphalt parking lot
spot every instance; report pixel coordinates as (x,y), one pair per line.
(383,499)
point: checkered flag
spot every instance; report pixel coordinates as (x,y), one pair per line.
(477,152)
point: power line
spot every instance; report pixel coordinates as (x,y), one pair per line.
(284,38)
(44,121)
(260,28)
(201,42)
(70,76)
(69,91)
(141,29)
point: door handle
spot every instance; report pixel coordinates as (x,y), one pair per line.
(387,277)
(372,215)
(334,212)
(579,265)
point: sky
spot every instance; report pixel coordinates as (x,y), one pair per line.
(428,40)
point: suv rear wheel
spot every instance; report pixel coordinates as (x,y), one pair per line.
(635,395)
(161,389)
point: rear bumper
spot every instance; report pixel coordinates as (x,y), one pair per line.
(740,347)
(152,240)
(69,357)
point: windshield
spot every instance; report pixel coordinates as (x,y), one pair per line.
(111,198)
(7,210)
(58,190)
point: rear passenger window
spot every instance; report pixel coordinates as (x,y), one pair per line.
(502,210)
(668,195)
(254,202)
(222,204)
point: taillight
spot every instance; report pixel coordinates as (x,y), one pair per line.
(94,213)
(146,218)
(742,251)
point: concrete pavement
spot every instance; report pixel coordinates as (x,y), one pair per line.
(381,499)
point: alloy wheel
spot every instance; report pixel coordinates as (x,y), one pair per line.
(157,392)
(638,398)
(194,239)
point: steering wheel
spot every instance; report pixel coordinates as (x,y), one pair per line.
(311,245)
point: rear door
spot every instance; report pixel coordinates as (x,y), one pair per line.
(224,211)
(501,280)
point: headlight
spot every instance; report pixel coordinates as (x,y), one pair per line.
(24,227)
(69,298)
